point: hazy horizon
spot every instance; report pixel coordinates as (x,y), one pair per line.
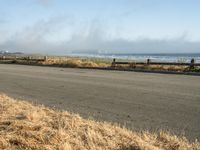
(114,26)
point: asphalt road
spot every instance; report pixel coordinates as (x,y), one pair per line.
(141,101)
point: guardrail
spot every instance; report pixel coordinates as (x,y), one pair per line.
(149,62)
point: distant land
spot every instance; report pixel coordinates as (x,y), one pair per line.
(8,53)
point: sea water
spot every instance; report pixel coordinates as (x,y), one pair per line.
(178,57)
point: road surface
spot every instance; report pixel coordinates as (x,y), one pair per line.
(136,100)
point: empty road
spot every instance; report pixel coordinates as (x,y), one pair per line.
(136,100)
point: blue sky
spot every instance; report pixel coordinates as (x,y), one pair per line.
(112,26)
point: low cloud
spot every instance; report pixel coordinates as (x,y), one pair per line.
(61,35)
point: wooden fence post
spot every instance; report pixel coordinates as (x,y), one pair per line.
(192,63)
(148,61)
(45,58)
(113,63)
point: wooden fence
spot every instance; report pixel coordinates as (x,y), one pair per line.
(149,62)
(115,63)
(27,58)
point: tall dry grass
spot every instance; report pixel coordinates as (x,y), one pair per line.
(76,62)
(25,126)
(81,62)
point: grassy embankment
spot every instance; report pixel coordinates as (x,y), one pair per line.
(26,126)
(75,62)
(60,61)
(107,63)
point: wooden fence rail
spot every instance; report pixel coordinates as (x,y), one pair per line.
(149,62)
(28,58)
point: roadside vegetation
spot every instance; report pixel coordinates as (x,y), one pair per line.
(156,67)
(196,69)
(86,62)
(77,62)
(27,126)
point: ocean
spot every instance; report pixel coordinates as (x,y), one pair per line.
(178,57)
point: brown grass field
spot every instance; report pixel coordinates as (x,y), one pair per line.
(27,126)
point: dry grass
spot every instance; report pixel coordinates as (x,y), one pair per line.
(75,62)
(25,126)
(61,61)
(176,68)
(81,62)
(168,68)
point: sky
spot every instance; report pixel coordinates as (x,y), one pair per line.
(103,26)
